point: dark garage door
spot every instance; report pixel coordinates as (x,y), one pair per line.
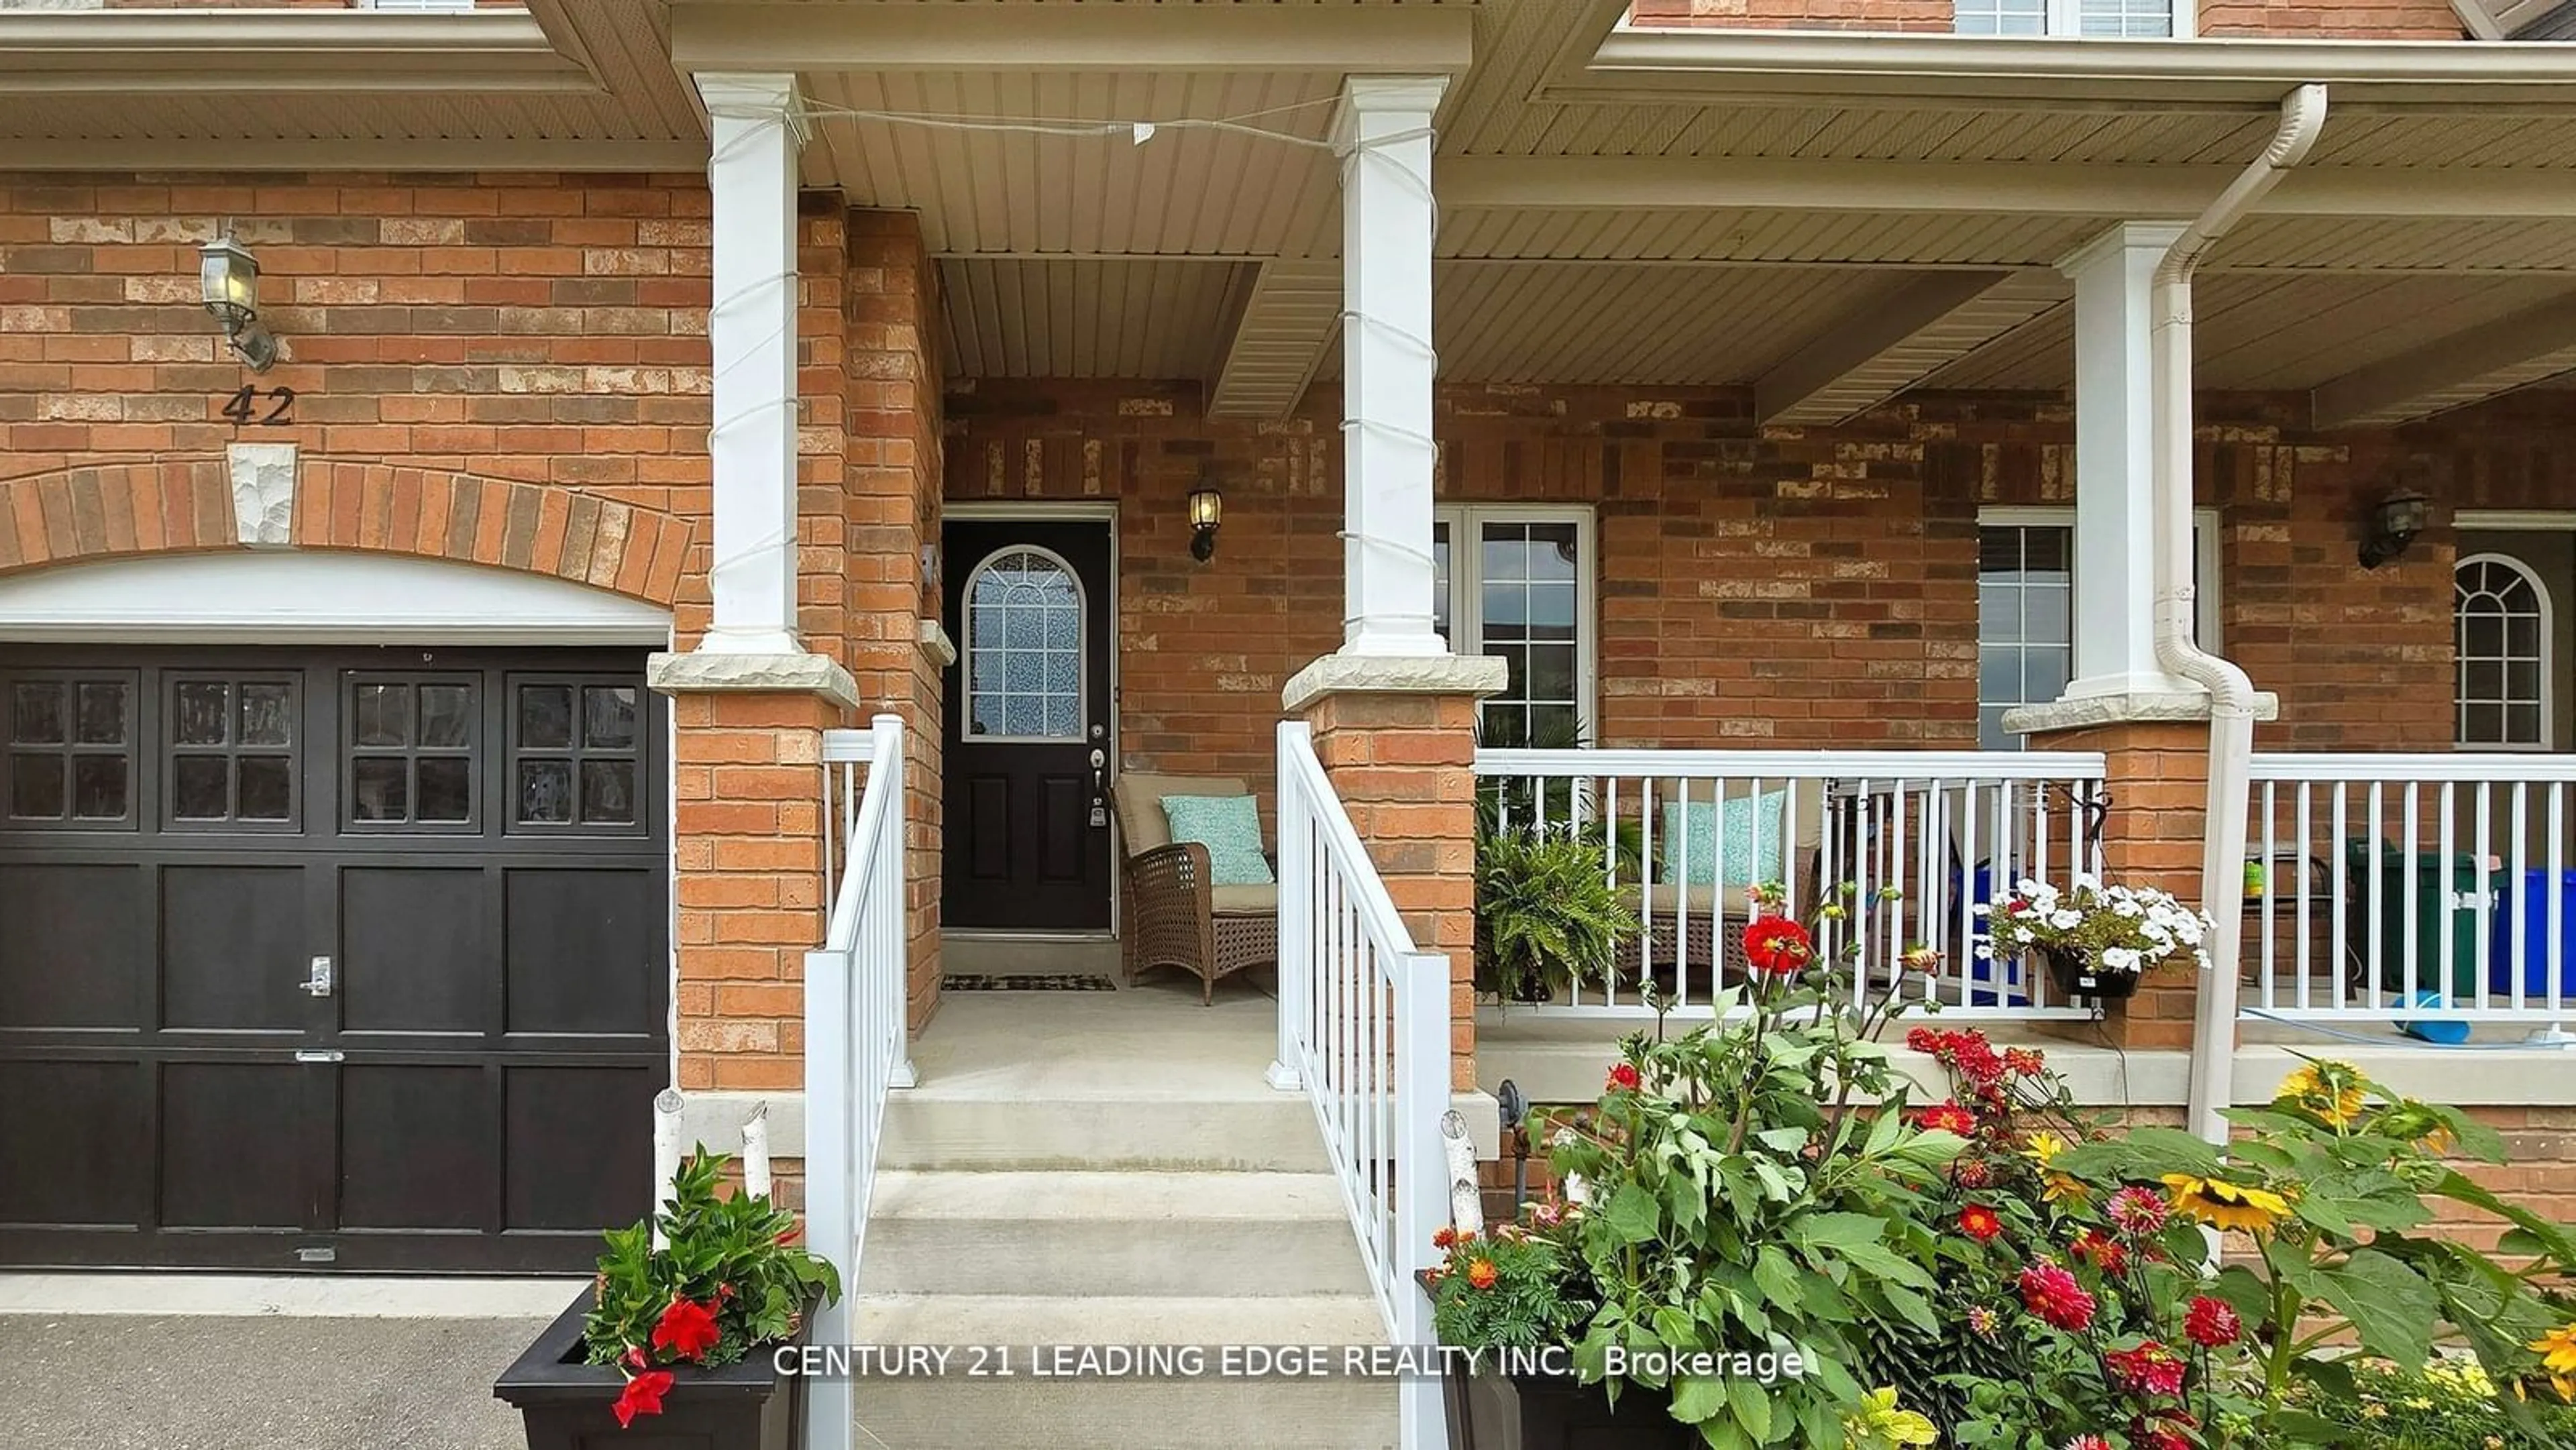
(474,840)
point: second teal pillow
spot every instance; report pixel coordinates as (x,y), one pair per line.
(1230,827)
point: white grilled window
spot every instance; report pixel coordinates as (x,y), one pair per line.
(2133,19)
(414,4)
(1515,581)
(2026,609)
(2500,624)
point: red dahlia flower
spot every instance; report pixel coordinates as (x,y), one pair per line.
(687,1329)
(1624,1077)
(2212,1323)
(642,1396)
(1948,1118)
(2138,1211)
(1980,1223)
(1925,1040)
(2149,1369)
(2102,1252)
(1777,945)
(2023,1062)
(2050,1292)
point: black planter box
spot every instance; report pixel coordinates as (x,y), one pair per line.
(1557,1412)
(565,1404)
(2075,975)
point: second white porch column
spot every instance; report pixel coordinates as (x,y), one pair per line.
(1387,365)
(751,331)
(2115,576)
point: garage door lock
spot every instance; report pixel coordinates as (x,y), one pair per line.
(319,1054)
(319,982)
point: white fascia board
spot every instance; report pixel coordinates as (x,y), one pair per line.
(2196,74)
(61,52)
(1363,39)
(2002,188)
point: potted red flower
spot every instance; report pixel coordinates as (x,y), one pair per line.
(681,1337)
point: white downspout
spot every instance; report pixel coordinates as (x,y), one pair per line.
(2231,693)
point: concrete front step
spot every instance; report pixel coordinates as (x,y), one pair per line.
(954,1126)
(1094,1233)
(1022,1413)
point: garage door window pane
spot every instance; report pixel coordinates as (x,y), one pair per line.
(608,717)
(36,714)
(545,716)
(446,712)
(102,712)
(608,791)
(383,715)
(200,788)
(36,787)
(98,787)
(198,718)
(545,792)
(446,789)
(380,790)
(266,783)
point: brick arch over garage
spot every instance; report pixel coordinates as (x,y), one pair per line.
(111,510)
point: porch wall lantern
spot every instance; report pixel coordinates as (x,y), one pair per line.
(1207,510)
(2393,525)
(230,277)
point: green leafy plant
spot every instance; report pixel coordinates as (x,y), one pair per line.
(2449,1404)
(1513,1288)
(1743,1206)
(728,1279)
(1546,915)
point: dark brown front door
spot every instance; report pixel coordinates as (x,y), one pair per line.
(1028,724)
(346,959)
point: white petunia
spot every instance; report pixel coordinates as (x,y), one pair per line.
(2066,920)
(2119,959)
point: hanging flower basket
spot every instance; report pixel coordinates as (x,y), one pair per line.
(2077,975)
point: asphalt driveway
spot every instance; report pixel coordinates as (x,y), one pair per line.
(277,1382)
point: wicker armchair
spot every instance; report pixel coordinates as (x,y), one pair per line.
(1709,919)
(1174,914)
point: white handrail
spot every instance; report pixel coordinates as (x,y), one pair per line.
(1364,1029)
(854,1035)
(1921,839)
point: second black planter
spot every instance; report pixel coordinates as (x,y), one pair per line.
(565,1404)
(1552,1412)
(2076,975)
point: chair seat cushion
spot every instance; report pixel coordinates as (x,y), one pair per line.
(1662,900)
(1140,804)
(1244,900)
(1230,827)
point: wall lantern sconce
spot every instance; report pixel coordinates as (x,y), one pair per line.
(1207,510)
(2393,525)
(230,275)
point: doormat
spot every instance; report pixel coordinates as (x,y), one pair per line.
(1026,982)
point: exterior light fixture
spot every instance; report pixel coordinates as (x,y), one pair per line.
(230,275)
(1207,510)
(2393,525)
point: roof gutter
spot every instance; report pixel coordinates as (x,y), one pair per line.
(2232,701)
(2203,74)
(117,51)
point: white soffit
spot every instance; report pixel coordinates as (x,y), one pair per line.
(2257,331)
(2526,347)
(320,596)
(1285,320)
(1086,318)
(1866,359)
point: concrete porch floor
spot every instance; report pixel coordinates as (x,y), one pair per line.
(1057,1044)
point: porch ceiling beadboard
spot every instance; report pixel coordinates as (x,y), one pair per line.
(1083,318)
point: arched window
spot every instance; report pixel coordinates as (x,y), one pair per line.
(1024,647)
(2500,623)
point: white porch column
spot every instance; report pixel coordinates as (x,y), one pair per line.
(751,329)
(1387,365)
(2115,575)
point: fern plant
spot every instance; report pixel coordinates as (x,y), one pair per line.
(1546,915)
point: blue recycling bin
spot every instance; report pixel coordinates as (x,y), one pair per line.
(2531,904)
(1991,982)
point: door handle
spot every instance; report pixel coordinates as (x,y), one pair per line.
(318,983)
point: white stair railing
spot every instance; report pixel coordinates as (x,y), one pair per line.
(854,1027)
(1364,1030)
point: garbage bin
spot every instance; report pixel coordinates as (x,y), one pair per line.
(2532,904)
(2443,901)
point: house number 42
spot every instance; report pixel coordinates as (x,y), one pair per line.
(244,407)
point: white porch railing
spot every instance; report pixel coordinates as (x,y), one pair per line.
(2377,880)
(1364,1029)
(1921,837)
(854,1026)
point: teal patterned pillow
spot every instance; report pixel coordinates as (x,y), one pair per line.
(1230,827)
(1743,830)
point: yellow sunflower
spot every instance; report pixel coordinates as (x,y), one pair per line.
(2225,1205)
(2043,1147)
(2558,1349)
(2331,1090)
